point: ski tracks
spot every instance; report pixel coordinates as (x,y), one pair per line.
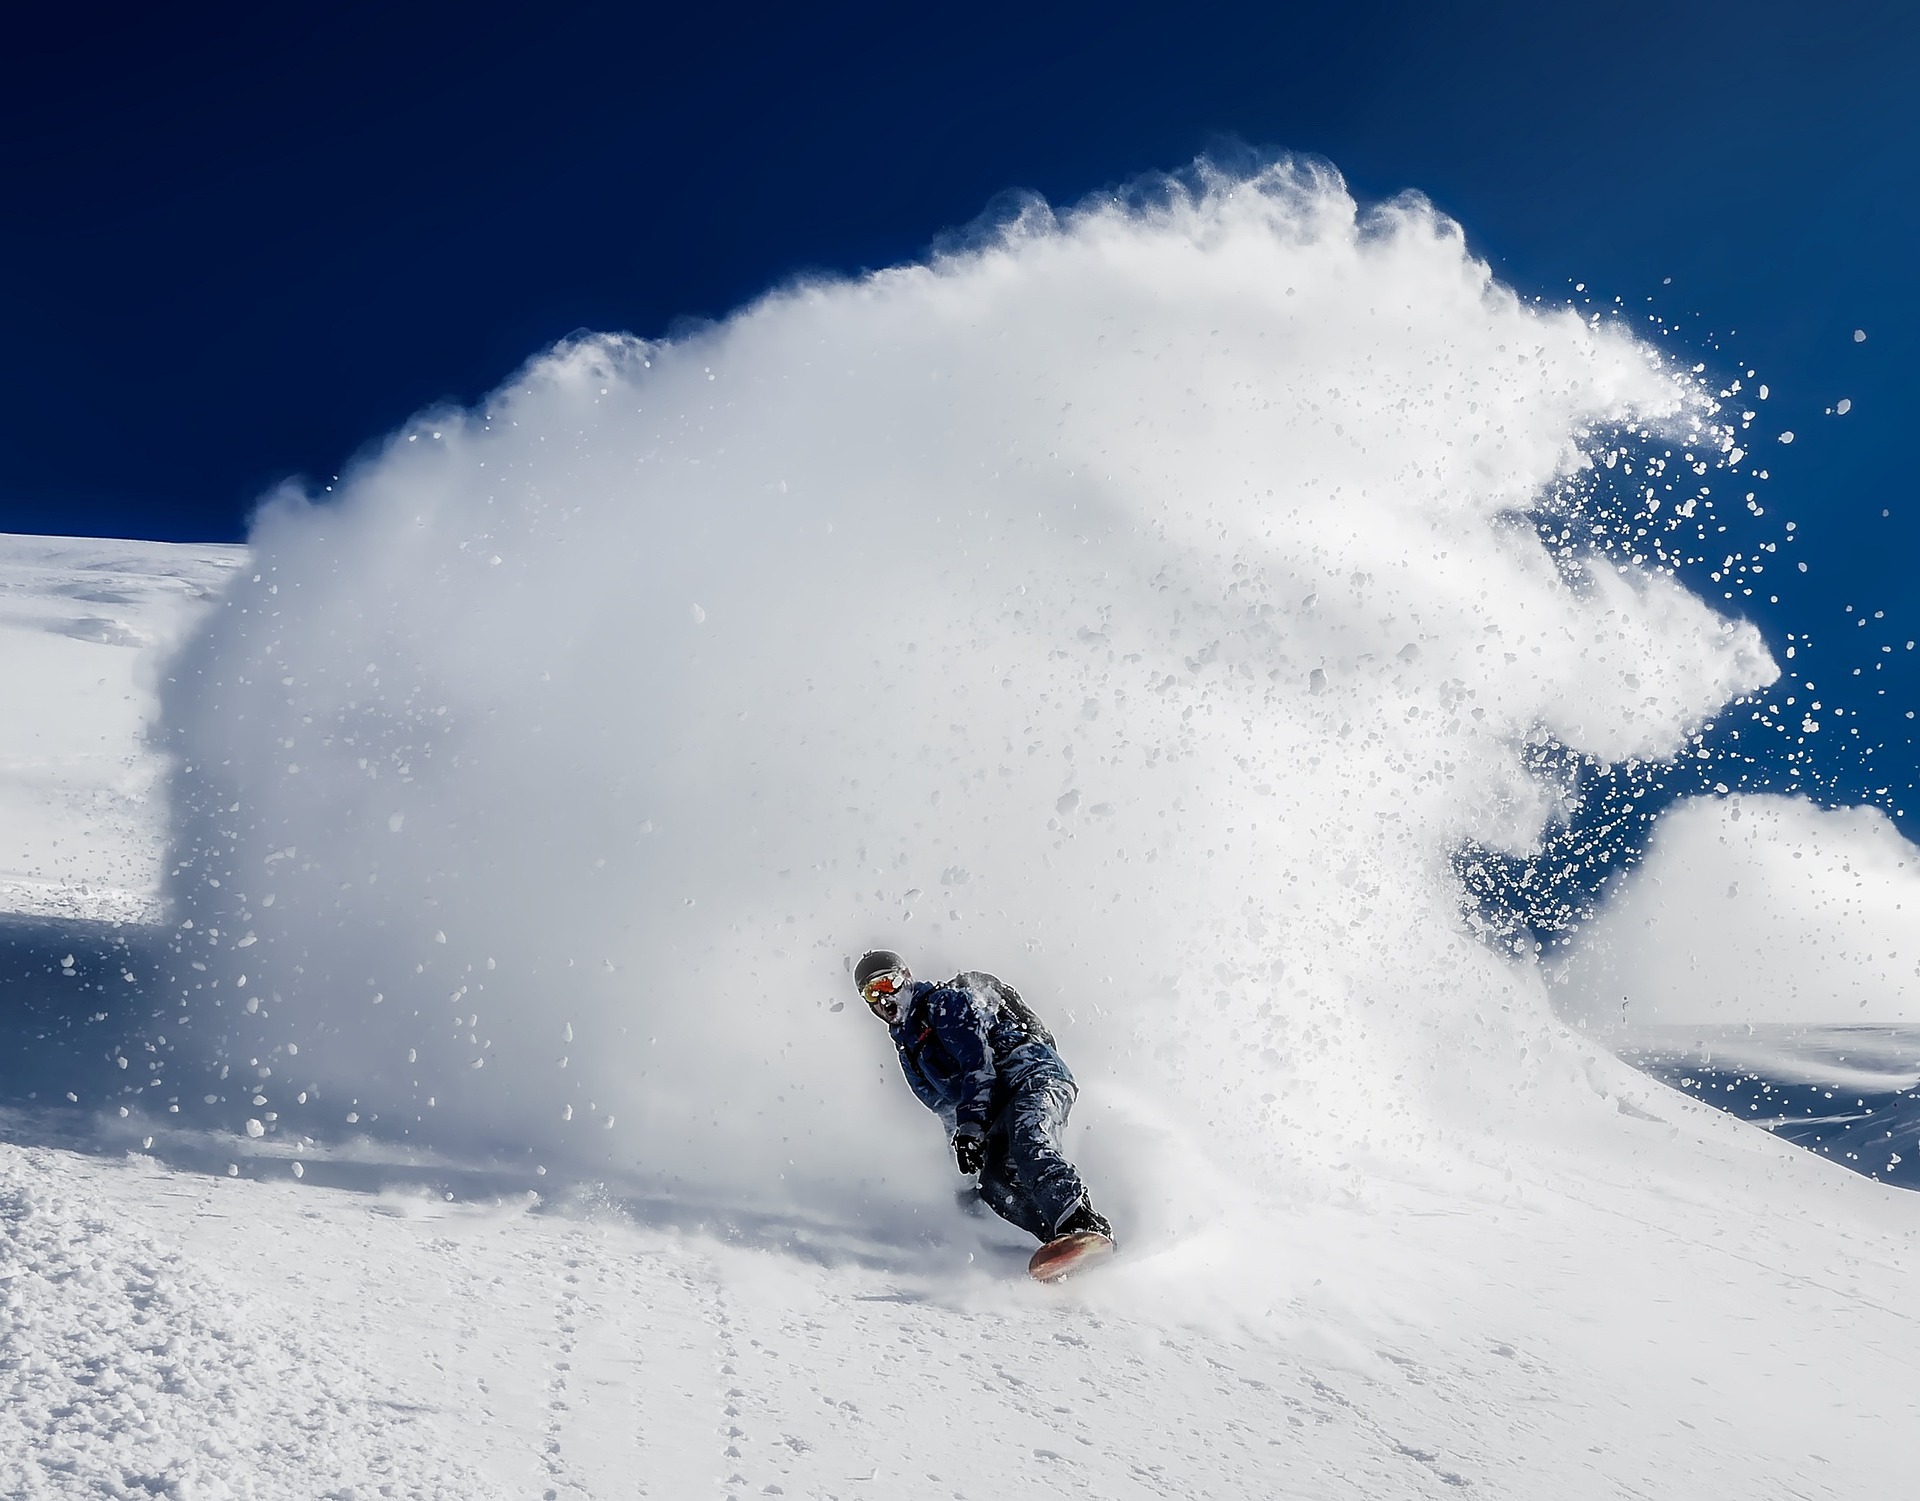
(627,1378)
(574,1360)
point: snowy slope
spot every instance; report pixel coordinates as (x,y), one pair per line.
(84,623)
(1739,1324)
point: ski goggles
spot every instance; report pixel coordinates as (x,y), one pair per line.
(883,987)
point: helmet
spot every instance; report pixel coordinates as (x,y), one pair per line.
(877,962)
(879,975)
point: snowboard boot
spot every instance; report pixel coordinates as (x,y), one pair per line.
(1083,1219)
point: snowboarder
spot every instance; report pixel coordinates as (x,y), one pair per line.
(976,1055)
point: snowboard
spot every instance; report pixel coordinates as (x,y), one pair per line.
(1069,1255)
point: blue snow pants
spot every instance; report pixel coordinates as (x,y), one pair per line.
(1025,1178)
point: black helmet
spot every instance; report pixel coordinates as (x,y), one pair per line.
(877,962)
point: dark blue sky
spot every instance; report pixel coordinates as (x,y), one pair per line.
(237,246)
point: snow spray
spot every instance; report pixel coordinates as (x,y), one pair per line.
(1138,601)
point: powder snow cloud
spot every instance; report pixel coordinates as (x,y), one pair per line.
(1132,603)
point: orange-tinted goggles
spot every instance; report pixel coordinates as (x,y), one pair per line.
(880,987)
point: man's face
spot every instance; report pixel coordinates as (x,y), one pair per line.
(882,994)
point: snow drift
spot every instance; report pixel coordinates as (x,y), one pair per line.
(1137,602)
(1757,911)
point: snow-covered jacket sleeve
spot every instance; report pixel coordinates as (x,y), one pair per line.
(961,1023)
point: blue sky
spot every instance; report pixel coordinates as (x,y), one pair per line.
(239,245)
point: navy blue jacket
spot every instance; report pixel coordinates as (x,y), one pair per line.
(968,1045)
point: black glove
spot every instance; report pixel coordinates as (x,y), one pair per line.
(969,1150)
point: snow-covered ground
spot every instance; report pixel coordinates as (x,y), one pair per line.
(1723,1314)
(84,623)
(452,1092)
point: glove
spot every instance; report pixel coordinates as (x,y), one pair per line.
(969,1150)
